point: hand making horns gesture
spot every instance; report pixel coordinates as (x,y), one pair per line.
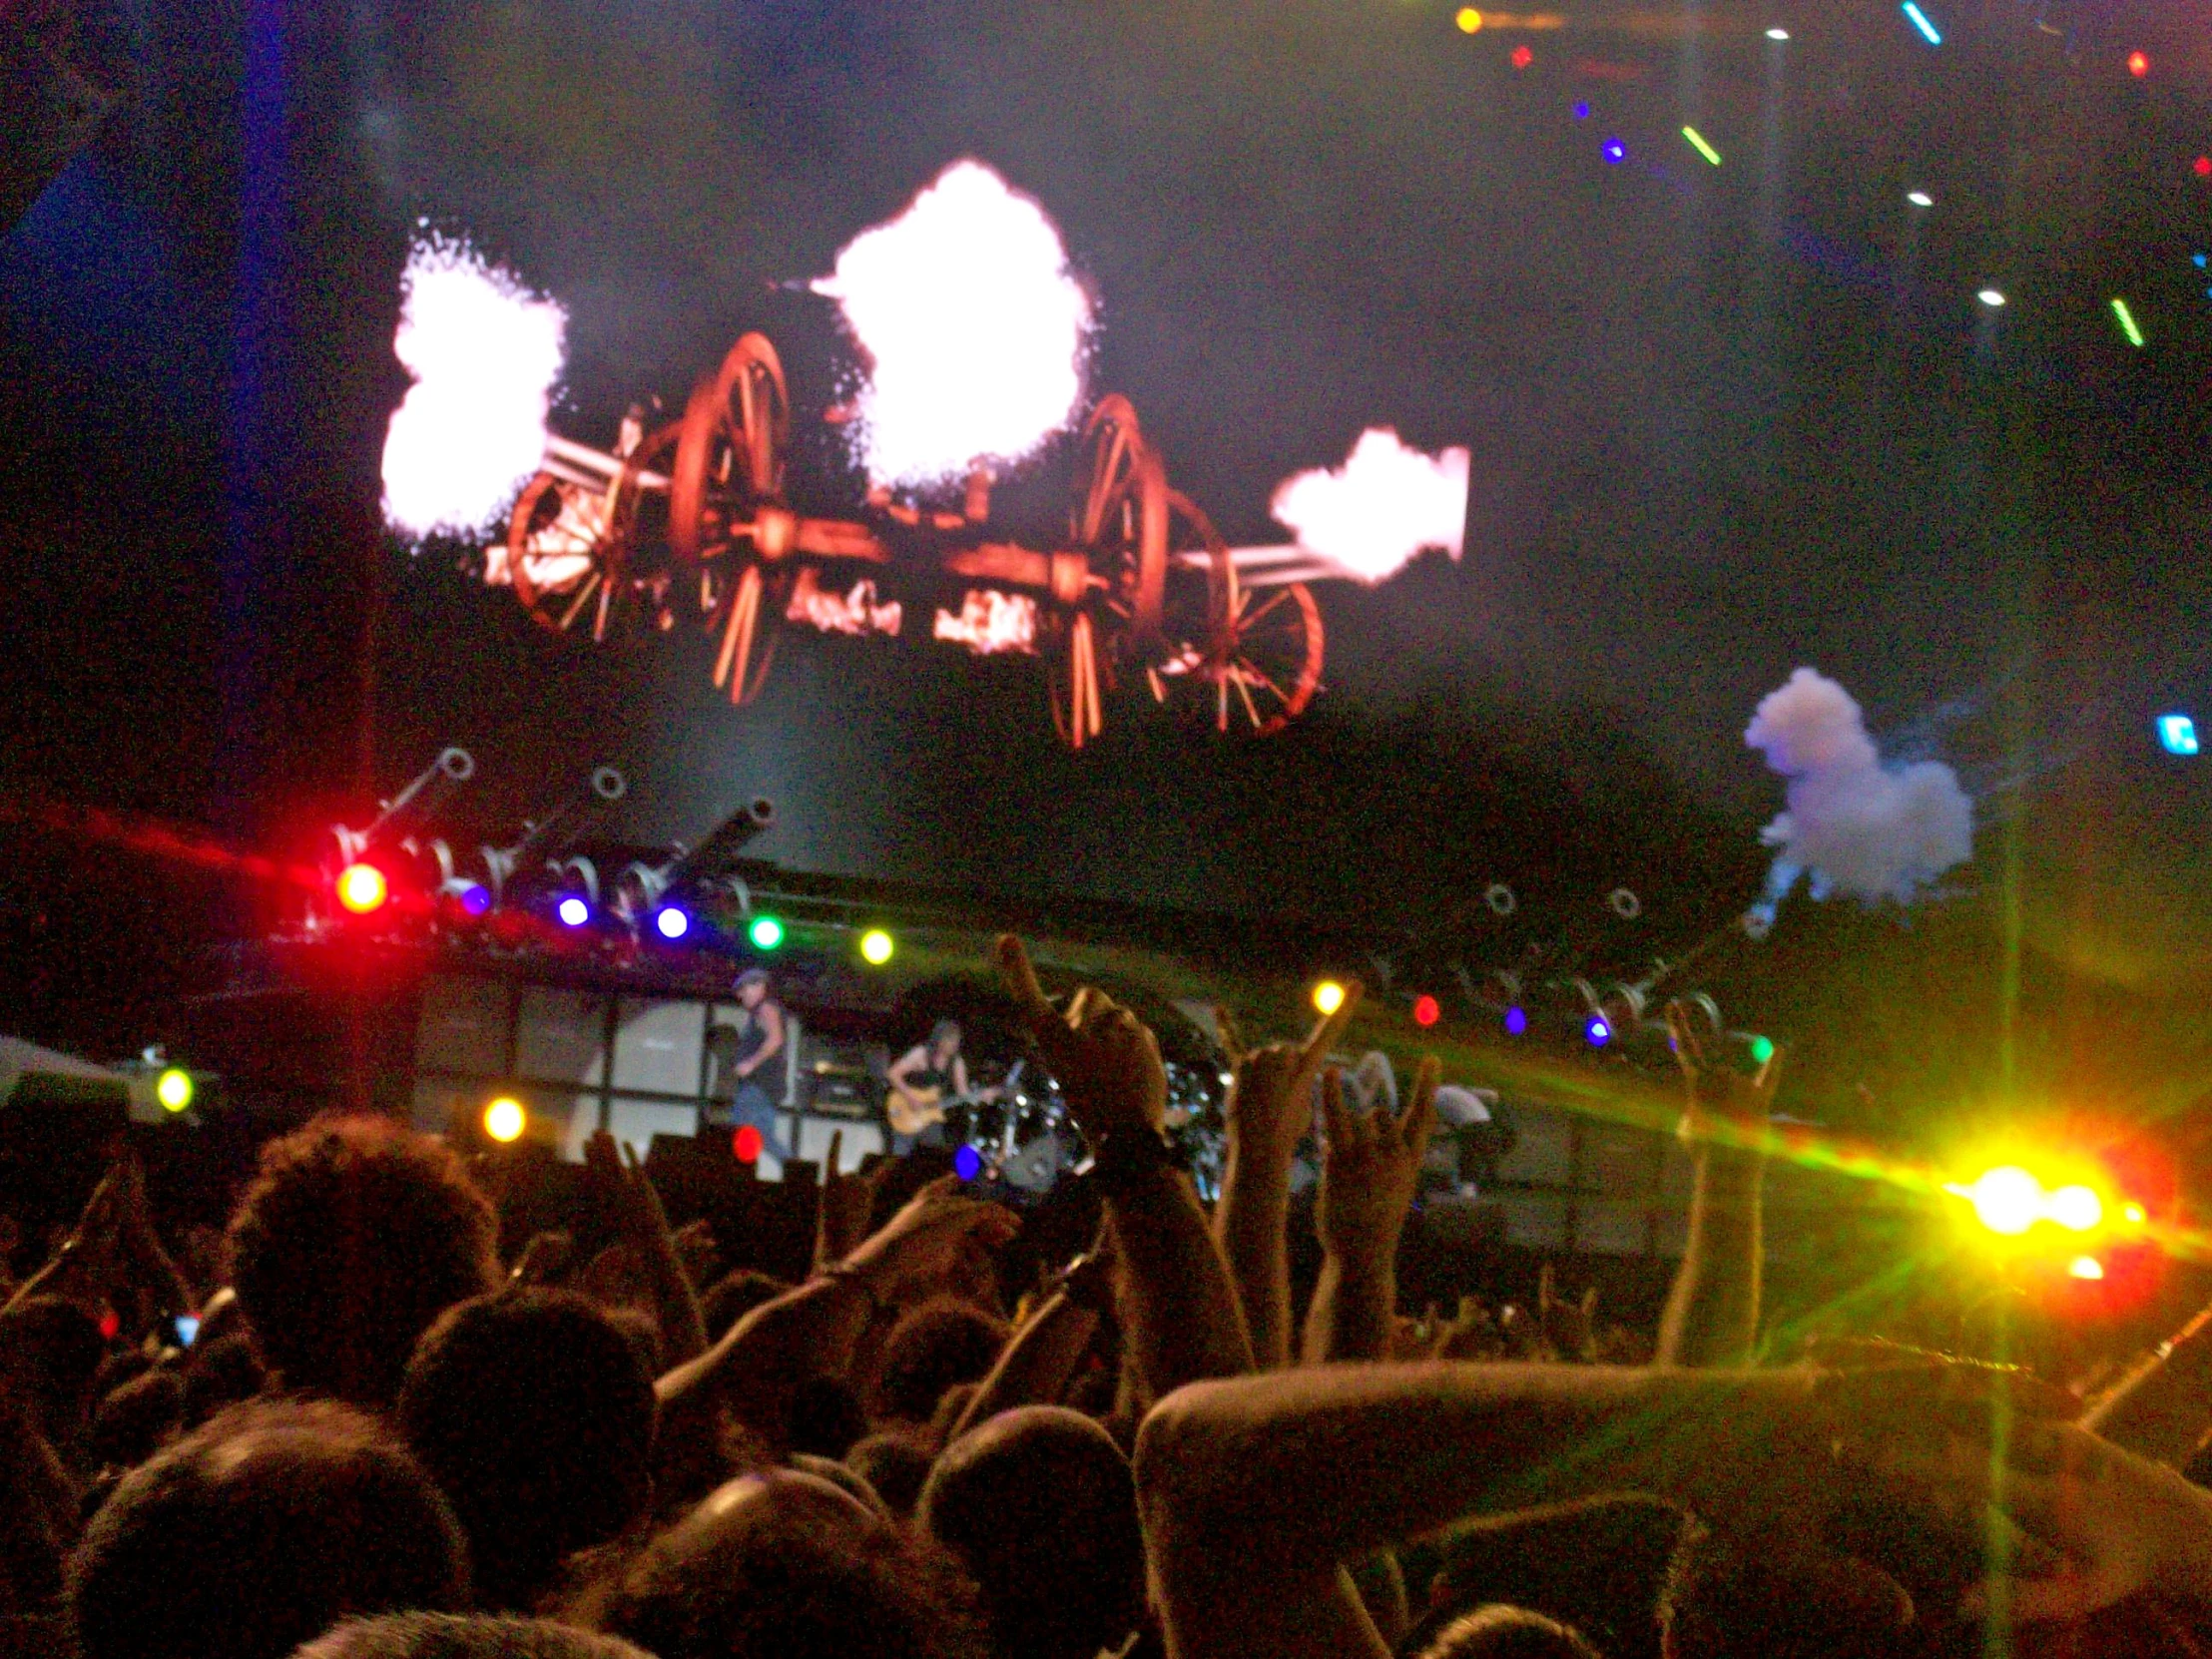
(1106,1060)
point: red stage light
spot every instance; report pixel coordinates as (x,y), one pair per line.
(2138,63)
(1427,1011)
(362,889)
(746,1143)
(1522,57)
(2203,165)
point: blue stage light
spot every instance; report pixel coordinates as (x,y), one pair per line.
(1582,110)
(573,911)
(1615,151)
(2177,734)
(1599,1031)
(968,1163)
(671,922)
(473,896)
(1516,1023)
(1918,19)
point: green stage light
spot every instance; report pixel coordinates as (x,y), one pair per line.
(767,932)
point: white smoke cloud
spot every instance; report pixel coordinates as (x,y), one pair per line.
(1855,825)
(974,329)
(1387,504)
(485,354)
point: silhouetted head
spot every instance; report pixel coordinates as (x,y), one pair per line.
(462,1636)
(1039,1504)
(788,1566)
(533,1413)
(1501,1633)
(265,1527)
(937,1346)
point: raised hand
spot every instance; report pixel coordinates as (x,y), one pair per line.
(544,1259)
(847,1205)
(1271,1101)
(1106,1060)
(1719,1098)
(1570,1328)
(624,1195)
(1371,1169)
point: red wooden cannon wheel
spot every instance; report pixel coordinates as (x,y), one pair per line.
(1252,658)
(730,458)
(610,593)
(1121,520)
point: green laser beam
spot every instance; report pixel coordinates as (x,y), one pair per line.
(2127,323)
(1697,143)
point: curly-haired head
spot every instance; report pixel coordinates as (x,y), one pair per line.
(355,1235)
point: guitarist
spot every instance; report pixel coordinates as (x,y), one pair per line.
(926,1081)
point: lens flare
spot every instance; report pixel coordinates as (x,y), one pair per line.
(877,948)
(1329,996)
(2076,1208)
(174,1089)
(974,329)
(2007,1200)
(504,1119)
(485,354)
(1387,504)
(362,889)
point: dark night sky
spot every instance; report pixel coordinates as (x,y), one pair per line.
(1722,421)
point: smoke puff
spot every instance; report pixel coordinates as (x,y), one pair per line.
(1387,504)
(485,354)
(1854,824)
(974,329)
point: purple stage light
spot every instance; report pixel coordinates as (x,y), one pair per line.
(573,911)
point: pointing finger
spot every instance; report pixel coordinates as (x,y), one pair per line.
(1021,981)
(836,1150)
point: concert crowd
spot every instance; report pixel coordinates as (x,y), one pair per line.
(381,1440)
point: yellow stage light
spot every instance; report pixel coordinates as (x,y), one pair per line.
(2085,1266)
(1468,20)
(504,1119)
(1329,996)
(174,1089)
(877,948)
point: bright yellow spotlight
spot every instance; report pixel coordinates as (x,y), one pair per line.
(2085,1266)
(2007,1200)
(1329,996)
(362,889)
(1468,20)
(2134,1213)
(2076,1209)
(877,948)
(504,1119)
(174,1089)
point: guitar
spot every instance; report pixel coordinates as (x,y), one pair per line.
(910,1111)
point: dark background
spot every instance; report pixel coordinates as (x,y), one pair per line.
(1723,422)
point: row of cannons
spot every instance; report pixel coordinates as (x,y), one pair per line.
(692,521)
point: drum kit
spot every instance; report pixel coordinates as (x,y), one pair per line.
(1025,1139)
